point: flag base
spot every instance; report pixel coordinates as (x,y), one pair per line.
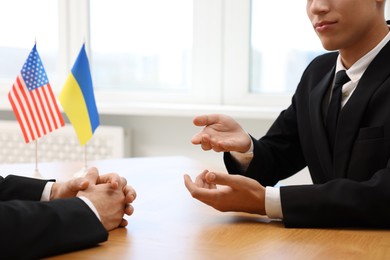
(37,174)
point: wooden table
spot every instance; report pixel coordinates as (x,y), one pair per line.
(169,224)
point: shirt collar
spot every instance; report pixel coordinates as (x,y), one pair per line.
(356,71)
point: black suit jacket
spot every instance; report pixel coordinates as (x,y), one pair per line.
(352,188)
(30,229)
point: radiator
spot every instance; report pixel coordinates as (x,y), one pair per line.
(60,145)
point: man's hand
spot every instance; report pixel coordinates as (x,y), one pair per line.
(226,192)
(68,189)
(116,184)
(109,193)
(221,133)
(109,202)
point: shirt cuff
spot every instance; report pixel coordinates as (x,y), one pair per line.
(47,191)
(273,205)
(46,197)
(90,205)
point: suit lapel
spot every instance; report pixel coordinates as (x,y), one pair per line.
(353,111)
(317,121)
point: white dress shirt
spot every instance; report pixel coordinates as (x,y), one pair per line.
(273,205)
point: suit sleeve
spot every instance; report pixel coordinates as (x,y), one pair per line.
(21,188)
(339,203)
(42,229)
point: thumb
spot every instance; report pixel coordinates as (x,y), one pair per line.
(80,183)
(73,185)
(205,120)
(233,181)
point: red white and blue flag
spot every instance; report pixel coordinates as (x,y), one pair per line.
(33,101)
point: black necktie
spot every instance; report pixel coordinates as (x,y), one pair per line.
(334,106)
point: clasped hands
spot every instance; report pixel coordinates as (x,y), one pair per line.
(222,191)
(109,193)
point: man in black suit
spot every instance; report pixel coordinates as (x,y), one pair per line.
(40,218)
(349,163)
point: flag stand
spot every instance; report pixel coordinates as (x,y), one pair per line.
(84,169)
(37,174)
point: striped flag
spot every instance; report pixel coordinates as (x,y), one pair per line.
(78,100)
(33,101)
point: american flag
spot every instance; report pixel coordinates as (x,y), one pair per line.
(33,101)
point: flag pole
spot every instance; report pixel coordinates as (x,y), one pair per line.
(36,171)
(85,158)
(84,169)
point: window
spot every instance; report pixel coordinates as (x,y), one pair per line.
(25,22)
(259,45)
(141,45)
(283,49)
(144,51)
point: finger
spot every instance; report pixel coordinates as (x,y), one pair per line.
(205,143)
(202,182)
(201,178)
(123,223)
(188,183)
(201,139)
(109,178)
(217,144)
(114,179)
(206,147)
(77,184)
(119,182)
(218,148)
(197,139)
(123,182)
(92,175)
(205,120)
(234,181)
(129,209)
(114,184)
(212,143)
(130,194)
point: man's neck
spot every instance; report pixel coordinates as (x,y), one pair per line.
(352,54)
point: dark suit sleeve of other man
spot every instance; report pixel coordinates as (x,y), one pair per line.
(352,188)
(31,229)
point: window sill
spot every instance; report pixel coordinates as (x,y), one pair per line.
(184,110)
(179,110)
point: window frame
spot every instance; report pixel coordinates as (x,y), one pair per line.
(237,25)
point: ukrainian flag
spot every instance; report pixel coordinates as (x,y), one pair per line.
(78,101)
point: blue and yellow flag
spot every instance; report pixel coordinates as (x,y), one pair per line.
(78,100)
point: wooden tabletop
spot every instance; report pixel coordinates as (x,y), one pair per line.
(169,224)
